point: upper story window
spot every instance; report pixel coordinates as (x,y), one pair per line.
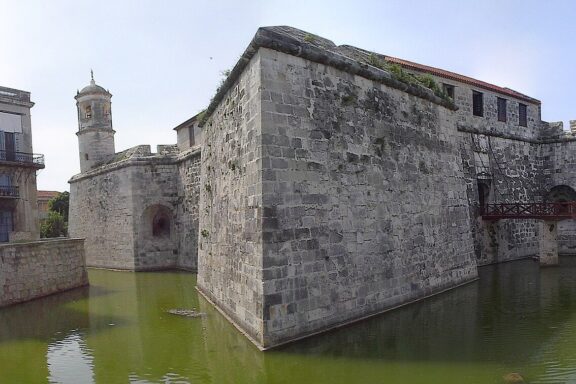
(522,115)
(501,109)
(10,122)
(5,180)
(88,112)
(448,90)
(191,135)
(477,103)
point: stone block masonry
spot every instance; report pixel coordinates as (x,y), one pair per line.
(331,184)
(365,205)
(231,211)
(117,206)
(32,270)
(346,198)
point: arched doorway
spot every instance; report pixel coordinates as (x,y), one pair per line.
(560,194)
(566,228)
(157,241)
(161,224)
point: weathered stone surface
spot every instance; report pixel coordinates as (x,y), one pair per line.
(231,210)
(36,269)
(114,208)
(329,188)
(362,207)
(548,243)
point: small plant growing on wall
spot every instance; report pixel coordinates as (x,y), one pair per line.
(309,38)
(374,61)
(348,99)
(205,233)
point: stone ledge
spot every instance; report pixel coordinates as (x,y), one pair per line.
(154,159)
(93,129)
(41,242)
(509,136)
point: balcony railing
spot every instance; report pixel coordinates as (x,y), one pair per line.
(22,158)
(9,191)
(543,211)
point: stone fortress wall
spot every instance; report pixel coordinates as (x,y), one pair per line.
(370,187)
(362,204)
(371,212)
(319,188)
(101,212)
(517,163)
(231,207)
(115,205)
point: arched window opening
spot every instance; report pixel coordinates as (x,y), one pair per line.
(160,225)
(561,194)
(88,111)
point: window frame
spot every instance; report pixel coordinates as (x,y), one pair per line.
(477,107)
(522,117)
(502,109)
(449,90)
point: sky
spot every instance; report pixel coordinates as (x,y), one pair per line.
(163,60)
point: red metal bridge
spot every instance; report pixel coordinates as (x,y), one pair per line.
(543,211)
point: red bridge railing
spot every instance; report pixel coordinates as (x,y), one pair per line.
(545,211)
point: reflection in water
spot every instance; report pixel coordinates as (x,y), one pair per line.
(69,361)
(21,321)
(516,318)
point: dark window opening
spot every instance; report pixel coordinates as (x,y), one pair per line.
(85,156)
(483,194)
(449,90)
(160,225)
(88,112)
(6,188)
(6,225)
(501,109)
(9,152)
(477,103)
(191,134)
(522,115)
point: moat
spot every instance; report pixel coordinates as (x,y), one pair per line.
(516,318)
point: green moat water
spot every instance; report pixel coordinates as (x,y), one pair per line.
(516,318)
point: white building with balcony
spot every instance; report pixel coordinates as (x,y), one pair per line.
(18,166)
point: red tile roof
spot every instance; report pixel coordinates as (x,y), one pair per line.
(47,194)
(461,78)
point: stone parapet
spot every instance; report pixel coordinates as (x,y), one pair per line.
(40,268)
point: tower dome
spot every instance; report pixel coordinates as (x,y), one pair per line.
(95,133)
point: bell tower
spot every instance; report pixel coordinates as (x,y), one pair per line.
(95,133)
